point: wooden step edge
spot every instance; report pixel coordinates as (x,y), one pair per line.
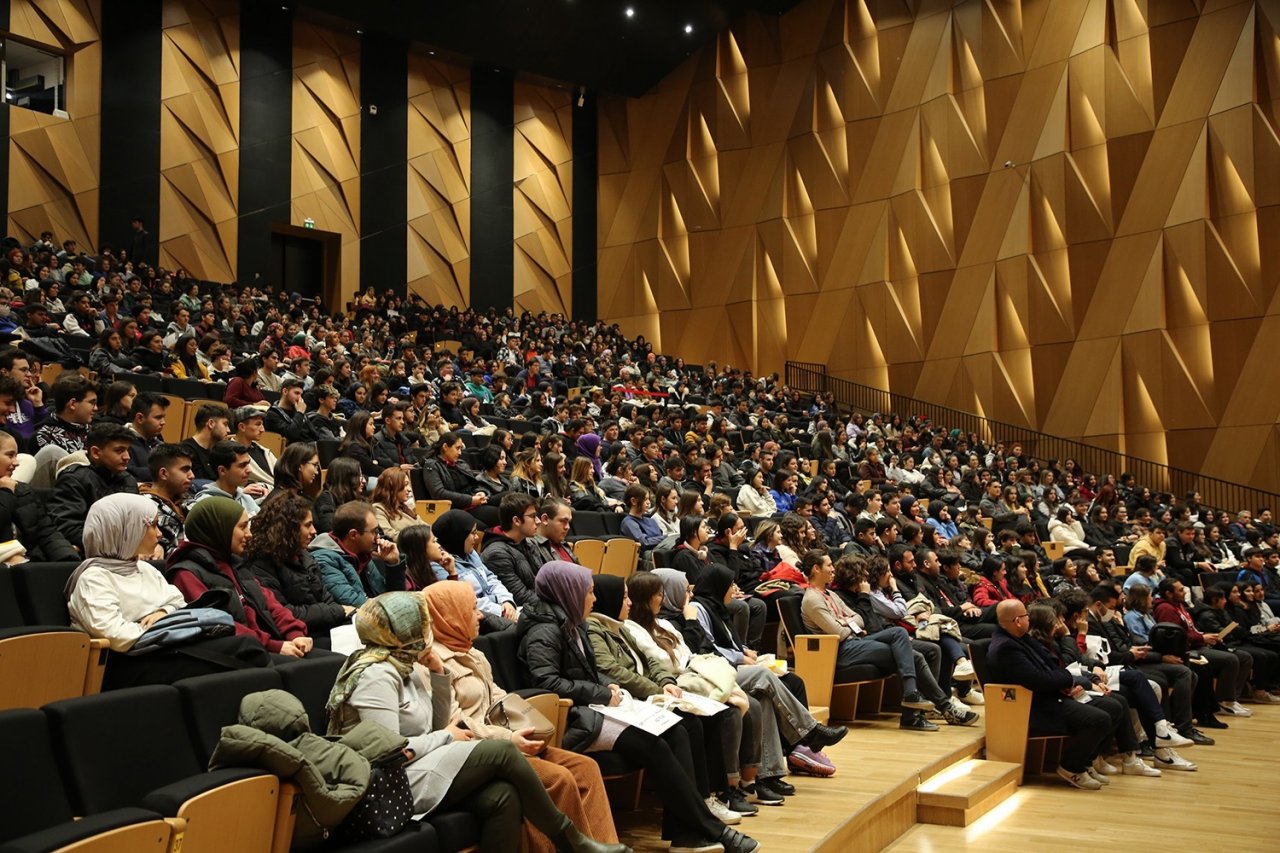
(943,816)
(971,788)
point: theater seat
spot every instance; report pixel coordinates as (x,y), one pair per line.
(311,679)
(40,590)
(42,663)
(861,690)
(213,701)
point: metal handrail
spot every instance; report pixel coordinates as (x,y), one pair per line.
(1214,492)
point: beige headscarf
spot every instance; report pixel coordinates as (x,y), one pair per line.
(113,530)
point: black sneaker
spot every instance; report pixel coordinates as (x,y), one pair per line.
(762,795)
(1197,737)
(696,845)
(736,801)
(777,783)
(824,736)
(736,842)
(1145,750)
(917,722)
(1209,721)
(916,701)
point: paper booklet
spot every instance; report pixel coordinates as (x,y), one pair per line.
(642,715)
(690,703)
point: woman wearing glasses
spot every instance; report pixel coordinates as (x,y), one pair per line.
(298,472)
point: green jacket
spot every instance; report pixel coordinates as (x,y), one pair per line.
(274,735)
(621,661)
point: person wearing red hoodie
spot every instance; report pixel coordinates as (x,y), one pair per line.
(1223,666)
(217,529)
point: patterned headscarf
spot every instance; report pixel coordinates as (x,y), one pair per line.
(395,627)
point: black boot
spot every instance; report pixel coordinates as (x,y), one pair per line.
(573,841)
(822,736)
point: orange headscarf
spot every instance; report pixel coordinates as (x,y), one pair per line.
(452,605)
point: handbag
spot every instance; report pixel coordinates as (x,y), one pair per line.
(718,672)
(387,804)
(514,713)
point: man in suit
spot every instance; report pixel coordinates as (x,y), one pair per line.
(1015,658)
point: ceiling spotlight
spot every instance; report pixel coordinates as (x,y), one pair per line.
(688,28)
(630,11)
(359,32)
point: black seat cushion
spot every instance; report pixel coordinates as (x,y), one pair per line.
(311,679)
(502,648)
(31,789)
(70,831)
(213,701)
(40,592)
(115,748)
(456,830)
(10,613)
(168,799)
(417,837)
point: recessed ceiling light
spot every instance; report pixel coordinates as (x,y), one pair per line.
(688,28)
(630,12)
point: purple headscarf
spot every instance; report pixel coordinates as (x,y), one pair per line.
(589,444)
(567,585)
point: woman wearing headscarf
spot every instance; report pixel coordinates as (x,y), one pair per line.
(448,767)
(783,711)
(588,445)
(217,529)
(115,595)
(557,655)
(642,677)
(459,533)
(573,781)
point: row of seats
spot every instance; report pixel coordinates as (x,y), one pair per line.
(619,556)
(137,757)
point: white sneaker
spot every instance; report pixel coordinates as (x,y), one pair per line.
(974,697)
(1097,777)
(1235,709)
(963,671)
(1262,697)
(959,707)
(1167,736)
(1135,766)
(1083,781)
(722,812)
(1101,765)
(1167,759)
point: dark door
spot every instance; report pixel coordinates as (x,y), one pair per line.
(297,265)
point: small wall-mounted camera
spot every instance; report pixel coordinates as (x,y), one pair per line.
(373,109)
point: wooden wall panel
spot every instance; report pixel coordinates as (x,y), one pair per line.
(326,139)
(1055,213)
(542,191)
(199,137)
(439,181)
(54,162)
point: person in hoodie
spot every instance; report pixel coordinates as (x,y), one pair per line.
(508,549)
(217,530)
(277,556)
(84,480)
(459,535)
(355,561)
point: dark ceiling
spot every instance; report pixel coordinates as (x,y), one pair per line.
(593,43)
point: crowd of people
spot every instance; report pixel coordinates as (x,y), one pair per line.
(914,544)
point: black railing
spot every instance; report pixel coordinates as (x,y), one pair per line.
(1214,493)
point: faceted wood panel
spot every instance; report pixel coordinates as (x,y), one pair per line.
(326,139)
(1056,213)
(199,137)
(543,199)
(54,162)
(439,186)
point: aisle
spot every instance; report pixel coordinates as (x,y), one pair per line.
(1229,803)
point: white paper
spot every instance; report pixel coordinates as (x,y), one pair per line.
(642,715)
(343,639)
(1113,677)
(689,702)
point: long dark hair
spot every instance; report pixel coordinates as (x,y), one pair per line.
(355,431)
(413,542)
(641,588)
(343,480)
(291,460)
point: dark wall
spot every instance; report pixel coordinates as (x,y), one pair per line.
(266,131)
(585,179)
(492,210)
(130,155)
(384,162)
(4,134)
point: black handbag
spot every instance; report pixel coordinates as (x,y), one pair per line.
(1169,638)
(387,805)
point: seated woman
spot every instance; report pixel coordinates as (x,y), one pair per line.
(755,499)
(448,767)
(217,529)
(638,524)
(345,483)
(690,555)
(992,587)
(556,653)
(642,677)
(297,471)
(865,638)
(108,358)
(584,494)
(573,781)
(391,505)
(667,630)
(23,517)
(448,478)
(277,556)
(115,595)
(493,476)
(459,535)
(357,444)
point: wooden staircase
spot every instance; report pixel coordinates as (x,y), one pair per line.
(965,791)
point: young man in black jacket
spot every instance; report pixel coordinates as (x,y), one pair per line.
(79,486)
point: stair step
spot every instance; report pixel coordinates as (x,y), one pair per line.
(965,791)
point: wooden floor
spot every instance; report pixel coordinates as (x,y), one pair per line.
(877,764)
(1236,777)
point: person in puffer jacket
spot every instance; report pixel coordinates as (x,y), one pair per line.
(355,562)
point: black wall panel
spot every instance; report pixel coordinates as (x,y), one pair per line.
(585,179)
(384,156)
(492,165)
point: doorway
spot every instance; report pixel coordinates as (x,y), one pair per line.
(305,261)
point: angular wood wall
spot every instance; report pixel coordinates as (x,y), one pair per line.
(439,185)
(200,138)
(1055,213)
(54,162)
(326,139)
(543,199)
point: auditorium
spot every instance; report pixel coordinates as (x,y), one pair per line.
(638,426)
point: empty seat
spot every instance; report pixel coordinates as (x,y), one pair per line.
(590,553)
(327,448)
(213,701)
(40,588)
(311,679)
(42,663)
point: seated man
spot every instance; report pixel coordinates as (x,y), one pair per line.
(230,461)
(555,517)
(1015,658)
